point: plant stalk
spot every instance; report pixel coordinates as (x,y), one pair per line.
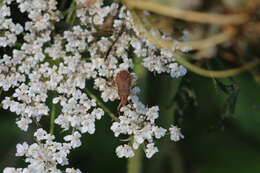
(134,164)
(53,108)
(101,104)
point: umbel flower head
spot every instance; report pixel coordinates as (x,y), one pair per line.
(49,61)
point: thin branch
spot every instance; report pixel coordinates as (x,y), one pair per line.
(114,42)
(208,42)
(166,46)
(192,16)
(199,44)
(214,73)
(134,164)
(53,107)
(100,103)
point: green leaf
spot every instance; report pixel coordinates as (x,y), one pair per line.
(229,107)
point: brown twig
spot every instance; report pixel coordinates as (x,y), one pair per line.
(114,42)
(162,44)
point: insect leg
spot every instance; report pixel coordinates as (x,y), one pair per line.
(118,108)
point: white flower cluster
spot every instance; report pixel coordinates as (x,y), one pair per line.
(41,13)
(138,121)
(159,61)
(8,29)
(50,62)
(75,113)
(45,155)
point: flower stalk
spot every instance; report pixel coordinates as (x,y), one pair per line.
(134,164)
(101,104)
(53,108)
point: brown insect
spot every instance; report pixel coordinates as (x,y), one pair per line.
(124,84)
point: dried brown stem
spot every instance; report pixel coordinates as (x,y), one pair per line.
(192,16)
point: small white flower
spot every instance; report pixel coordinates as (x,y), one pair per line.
(150,150)
(40,134)
(72,170)
(98,113)
(159,132)
(116,129)
(135,90)
(6,102)
(74,139)
(152,113)
(21,149)
(23,124)
(10,170)
(138,139)
(175,133)
(124,151)
(55,100)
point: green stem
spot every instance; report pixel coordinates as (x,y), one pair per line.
(176,160)
(1,90)
(100,103)
(71,12)
(134,164)
(53,107)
